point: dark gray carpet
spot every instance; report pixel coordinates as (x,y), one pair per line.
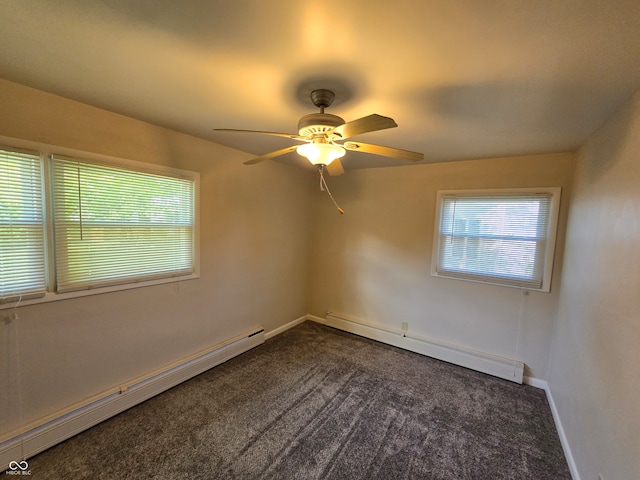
(315,402)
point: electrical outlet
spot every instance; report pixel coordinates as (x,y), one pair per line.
(405,326)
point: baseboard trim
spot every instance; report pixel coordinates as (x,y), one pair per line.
(573,468)
(316,319)
(534,382)
(434,349)
(285,327)
(40,435)
(483,362)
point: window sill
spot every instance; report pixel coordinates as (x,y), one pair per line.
(545,288)
(54,297)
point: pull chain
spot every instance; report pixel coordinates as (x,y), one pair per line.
(324,186)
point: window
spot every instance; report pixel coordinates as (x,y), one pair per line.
(113,225)
(71,226)
(502,237)
(22,228)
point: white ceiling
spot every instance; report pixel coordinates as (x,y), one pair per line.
(463,79)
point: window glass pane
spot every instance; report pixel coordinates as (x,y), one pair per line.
(494,238)
(114,225)
(22,239)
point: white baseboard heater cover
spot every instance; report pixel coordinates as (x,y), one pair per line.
(482,362)
(34,438)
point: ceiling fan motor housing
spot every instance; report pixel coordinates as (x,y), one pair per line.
(318,124)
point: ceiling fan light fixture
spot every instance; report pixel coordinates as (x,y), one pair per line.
(320,153)
(323,130)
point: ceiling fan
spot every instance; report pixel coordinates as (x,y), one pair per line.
(324,134)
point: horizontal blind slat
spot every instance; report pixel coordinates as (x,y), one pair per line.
(22,240)
(494,238)
(114,225)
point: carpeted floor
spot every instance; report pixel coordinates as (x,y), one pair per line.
(315,402)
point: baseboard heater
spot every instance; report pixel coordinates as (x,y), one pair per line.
(464,357)
(37,436)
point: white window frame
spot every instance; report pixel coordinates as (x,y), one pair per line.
(552,227)
(46,151)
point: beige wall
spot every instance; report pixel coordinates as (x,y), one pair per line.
(252,231)
(374,262)
(594,375)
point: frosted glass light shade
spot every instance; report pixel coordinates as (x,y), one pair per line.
(320,153)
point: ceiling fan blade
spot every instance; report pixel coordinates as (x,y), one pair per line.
(335,168)
(270,155)
(384,151)
(367,124)
(292,136)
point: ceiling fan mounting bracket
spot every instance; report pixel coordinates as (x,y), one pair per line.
(322,98)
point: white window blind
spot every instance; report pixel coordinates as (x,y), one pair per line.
(113,225)
(22,229)
(496,238)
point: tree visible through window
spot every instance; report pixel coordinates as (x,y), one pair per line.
(103,223)
(22,240)
(114,225)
